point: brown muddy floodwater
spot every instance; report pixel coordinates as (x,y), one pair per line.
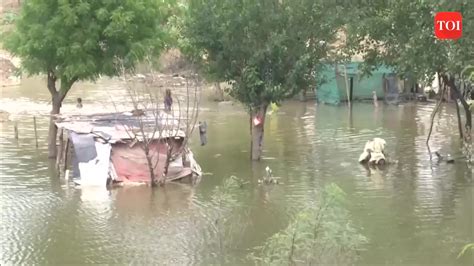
(416,212)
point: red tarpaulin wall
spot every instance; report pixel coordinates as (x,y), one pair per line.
(131,164)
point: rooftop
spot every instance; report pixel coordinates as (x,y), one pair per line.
(124,125)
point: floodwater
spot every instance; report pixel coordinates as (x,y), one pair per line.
(416,212)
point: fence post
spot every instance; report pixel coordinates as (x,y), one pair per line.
(60,151)
(15,128)
(66,153)
(36,131)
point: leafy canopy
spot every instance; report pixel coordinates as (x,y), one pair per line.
(268,50)
(82,39)
(401,34)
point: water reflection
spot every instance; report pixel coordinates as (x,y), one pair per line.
(146,202)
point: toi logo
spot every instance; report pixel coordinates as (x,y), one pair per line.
(448,25)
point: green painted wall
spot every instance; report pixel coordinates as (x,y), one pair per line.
(335,92)
(328,92)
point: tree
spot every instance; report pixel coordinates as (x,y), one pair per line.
(320,234)
(152,127)
(401,34)
(70,41)
(181,42)
(267,50)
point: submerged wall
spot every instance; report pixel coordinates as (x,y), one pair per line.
(335,88)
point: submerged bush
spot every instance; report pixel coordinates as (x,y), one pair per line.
(227,220)
(465,249)
(319,234)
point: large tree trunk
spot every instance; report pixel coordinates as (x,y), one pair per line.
(257,131)
(169,153)
(150,165)
(442,90)
(53,130)
(467,134)
(219,92)
(57,98)
(459,96)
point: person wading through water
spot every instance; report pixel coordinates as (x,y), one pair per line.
(79,103)
(202,132)
(168,100)
(374,97)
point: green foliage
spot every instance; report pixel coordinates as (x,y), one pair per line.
(465,249)
(8,18)
(227,220)
(401,34)
(320,234)
(468,74)
(80,40)
(175,24)
(268,50)
(224,195)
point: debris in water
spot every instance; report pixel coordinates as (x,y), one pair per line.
(448,159)
(374,152)
(269,178)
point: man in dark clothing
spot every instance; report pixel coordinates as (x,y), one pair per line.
(168,100)
(202,132)
(79,103)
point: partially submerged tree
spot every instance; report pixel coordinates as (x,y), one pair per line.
(226,219)
(320,234)
(151,126)
(70,41)
(401,34)
(267,50)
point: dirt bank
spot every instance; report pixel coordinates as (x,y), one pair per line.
(9,66)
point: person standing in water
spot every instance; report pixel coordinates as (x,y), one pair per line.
(79,103)
(374,96)
(202,132)
(168,100)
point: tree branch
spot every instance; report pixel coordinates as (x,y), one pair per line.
(66,86)
(442,89)
(465,105)
(52,82)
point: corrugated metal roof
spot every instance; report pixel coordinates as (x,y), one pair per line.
(123,126)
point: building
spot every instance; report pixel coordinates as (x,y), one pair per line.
(343,82)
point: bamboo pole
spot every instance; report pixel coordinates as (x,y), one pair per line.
(15,129)
(61,148)
(36,131)
(347,85)
(65,155)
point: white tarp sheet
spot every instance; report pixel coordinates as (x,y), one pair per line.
(374,151)
(96,171)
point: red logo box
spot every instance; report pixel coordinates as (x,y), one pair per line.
(448,25)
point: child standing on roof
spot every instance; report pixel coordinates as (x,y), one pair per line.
(168,100)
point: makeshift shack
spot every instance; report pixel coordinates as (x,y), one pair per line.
(110,148)
(343,82)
